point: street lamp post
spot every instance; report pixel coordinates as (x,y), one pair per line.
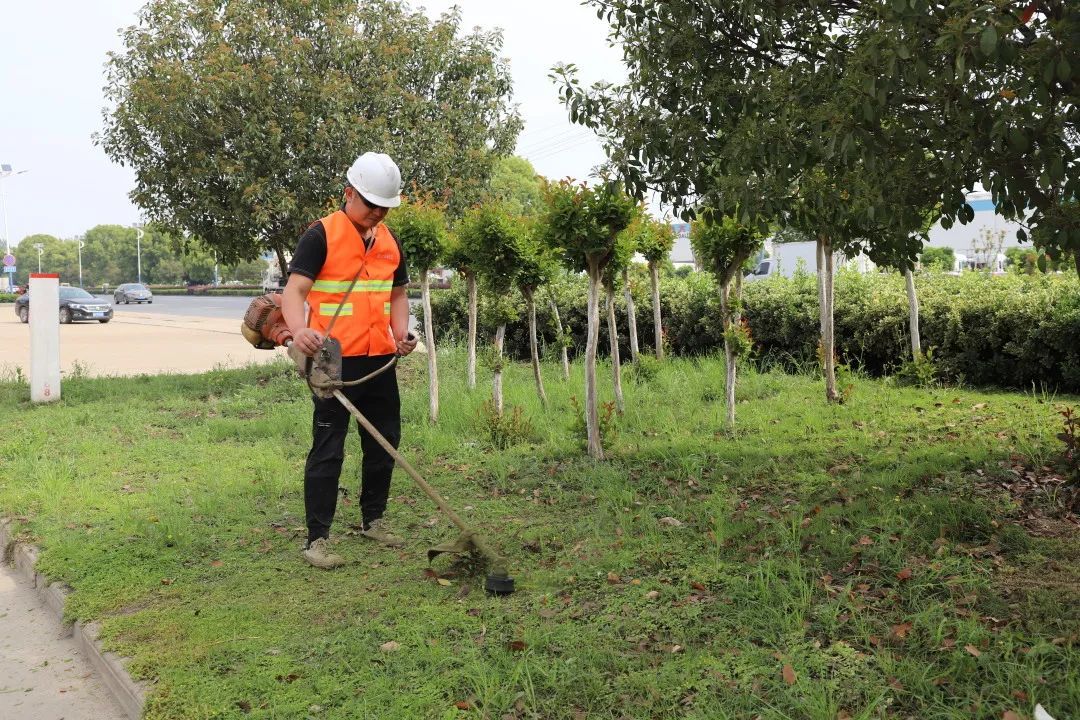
(6,171)
(81,246)
(40,249)
(138,250)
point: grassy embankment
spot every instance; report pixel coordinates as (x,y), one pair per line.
(897,556)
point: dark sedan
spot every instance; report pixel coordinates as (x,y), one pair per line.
(75,304)
(132,292)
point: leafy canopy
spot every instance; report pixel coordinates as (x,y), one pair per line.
(239,117)
(420,225)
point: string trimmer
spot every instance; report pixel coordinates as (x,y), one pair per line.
(264,327)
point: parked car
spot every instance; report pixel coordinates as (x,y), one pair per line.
(75,304)
(132,292)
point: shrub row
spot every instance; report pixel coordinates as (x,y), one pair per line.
(1010,331)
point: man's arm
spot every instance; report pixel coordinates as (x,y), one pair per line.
(399,320)
(308,340)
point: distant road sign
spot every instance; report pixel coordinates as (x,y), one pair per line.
(9,260)
(9,268)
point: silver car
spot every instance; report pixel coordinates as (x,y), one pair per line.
(132,292)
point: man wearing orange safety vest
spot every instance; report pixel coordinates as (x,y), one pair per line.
(372,327)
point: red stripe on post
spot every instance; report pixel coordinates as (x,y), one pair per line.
(45,275)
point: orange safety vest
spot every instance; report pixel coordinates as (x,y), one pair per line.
(363,327)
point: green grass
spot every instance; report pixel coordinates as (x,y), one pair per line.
(173,507)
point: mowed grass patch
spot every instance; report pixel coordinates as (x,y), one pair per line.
(864,560)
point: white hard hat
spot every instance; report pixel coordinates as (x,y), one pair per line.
(377,178)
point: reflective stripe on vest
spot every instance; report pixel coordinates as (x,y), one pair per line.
(363,327)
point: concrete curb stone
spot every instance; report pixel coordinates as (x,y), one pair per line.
(129,694)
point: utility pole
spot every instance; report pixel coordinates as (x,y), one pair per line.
(40,249)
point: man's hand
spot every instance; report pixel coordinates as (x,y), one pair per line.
(308,341)
(406,346)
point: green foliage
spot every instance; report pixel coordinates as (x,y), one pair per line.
(583,223)
(722,244)
(514,182)
(652,238)
(938,258)
(240,117)
(1005,331)
(506,428)
(497,241)
(420,225)
(921,371)
(607,419)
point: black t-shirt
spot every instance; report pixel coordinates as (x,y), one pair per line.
(310,255)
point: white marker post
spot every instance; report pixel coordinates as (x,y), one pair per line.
(44,337)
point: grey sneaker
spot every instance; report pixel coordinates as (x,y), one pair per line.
(318,554)
(379,531)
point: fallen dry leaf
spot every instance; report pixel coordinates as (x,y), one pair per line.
(391,646)
(613,578)
(973,650)
(789,675)
(216,563)
(698,586)
(443,581)
(516,645)
(670,521)
(1010,715)
(904,574)
(652,595)
(463,705)
(167,581)
(901,631)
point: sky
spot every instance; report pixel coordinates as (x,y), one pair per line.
(52,58)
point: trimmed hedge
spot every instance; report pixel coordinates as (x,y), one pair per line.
(1008,331)
(8,297)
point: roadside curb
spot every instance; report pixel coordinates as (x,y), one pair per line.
(109,667)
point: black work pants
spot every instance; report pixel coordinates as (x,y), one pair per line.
(379,402)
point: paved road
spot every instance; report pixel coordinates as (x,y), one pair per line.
(229,308)
(42,675)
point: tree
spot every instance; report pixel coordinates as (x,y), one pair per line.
(654,240)
(995,89)
(240,116)
(420,225)
(938,258)
(723,246)
(498,241)
(463,260)
(514,182)
(535,268)
(583,223)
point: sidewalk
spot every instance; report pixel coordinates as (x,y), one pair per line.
(43,676)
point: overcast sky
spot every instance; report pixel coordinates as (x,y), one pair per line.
(52,56)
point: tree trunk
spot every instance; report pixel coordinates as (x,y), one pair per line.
(284,266)
(828,344)
(1076,259)
(497,393)
(658,329)
(631,316)
(429,337)
(913,315)
(729,352)
(533,349)
(470,364)
(613,336)
(562,341)
(592,416)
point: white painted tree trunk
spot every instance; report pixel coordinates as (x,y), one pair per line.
(592,415)
(497,390)
(613,336)
(631,316)
(559,326)
(913,315)
(429,337)
(470,371)
(729,354)
(534,350)
(658,328)
(828,339)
